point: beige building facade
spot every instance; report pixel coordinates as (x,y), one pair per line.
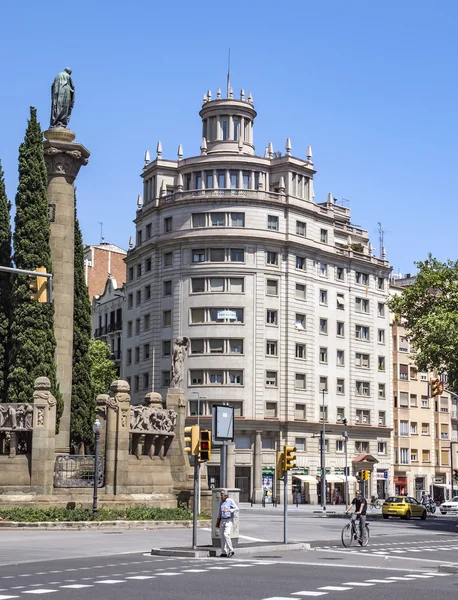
(283,301)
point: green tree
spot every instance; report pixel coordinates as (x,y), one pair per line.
(5,287)
(32,323)
(429,311)
(83,398)
(103,371)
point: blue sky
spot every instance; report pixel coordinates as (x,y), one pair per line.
(371,86)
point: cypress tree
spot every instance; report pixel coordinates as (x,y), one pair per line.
(5,287)
(32,325)
(83,398)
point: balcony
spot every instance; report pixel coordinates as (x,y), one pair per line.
(116,355)
(444,436)
(100,331)
(115,327)
(221,193)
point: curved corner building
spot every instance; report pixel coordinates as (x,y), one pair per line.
(281,298)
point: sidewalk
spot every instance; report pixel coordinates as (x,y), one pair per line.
(303,508)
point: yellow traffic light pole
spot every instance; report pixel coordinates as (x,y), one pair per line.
(37,274)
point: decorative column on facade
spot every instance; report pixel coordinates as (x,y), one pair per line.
(43,437)
(64,159)
(257,468)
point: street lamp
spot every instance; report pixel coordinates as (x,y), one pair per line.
(323,456)
(345,437)
(96,429)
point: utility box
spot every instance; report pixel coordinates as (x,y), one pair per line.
(234,494)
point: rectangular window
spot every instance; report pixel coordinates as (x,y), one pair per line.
(234,179)
(425,456)
(323,413)
(145,381)
(131,274)
(197,285)
(237,219)
(324,297)
(324,326)
(299,382)
(198,220)
(299,412)
(340,329)
(168,259)
(362,278)
(381,447)
(300,263)
(323,354)
(167,288)
(197,377)
(404,428)
(225,128)
(137,326)
(129,329)
(237,255)
(236,346)
(381,391)
(272,287)
(380,283)
(235,377)
(271,378)
(425,429)
(272,317)
(340,414)
(339,445)
(363,417)
(271,410)
(166,318)
(382,418)
(403,399)
(167,224)
(340,302)
(198,180)
(413,455)
(413,428)
(216,377)
(324,236)
(380,309)
(272,258)
(216,346)
(216,284)
(381,336)
(300,291)
(300,444)
(221,179)
(424,402)
(300,322)
(362,332)
(166,348)
(138,297)
(323,270)
(381,363)
(362,388)
(236,285)
(404,456)
(340,273)
(362,360)
(217,254)
(197,346)
(361,447)
(130,300)
(245,180)
(362,305)
(208,180)
(323,384)
(217,219)
(146,322)
(256,174)
(272,222)
(301,228)
(300,351)
(197,315)
(413,400)
(129,356)
(340,388)
(148,265)
(340,358)
(136,383)
(271,348)
(198,256)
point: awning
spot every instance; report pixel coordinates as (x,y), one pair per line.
(334,478)
(365,457)
(306,478)
(440,485)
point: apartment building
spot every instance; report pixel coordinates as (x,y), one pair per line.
(101,261)
(283,301)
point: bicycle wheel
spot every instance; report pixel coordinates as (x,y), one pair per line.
(366,536)
(347,535)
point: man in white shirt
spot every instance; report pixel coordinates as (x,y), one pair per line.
(225,519)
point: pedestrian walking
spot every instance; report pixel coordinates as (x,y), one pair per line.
(225,520)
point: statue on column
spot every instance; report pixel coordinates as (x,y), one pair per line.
(180,351)
(63,99)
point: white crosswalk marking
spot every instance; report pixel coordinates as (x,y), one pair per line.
(278,598)
(378,581)
(3,597)
(40,591)
(77,586)
(141,577)
(334,588)
(419,576)
(307,593)
(170,574)
(358,583)
(109,581)
(194,570)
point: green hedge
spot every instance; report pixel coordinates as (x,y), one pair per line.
(132,513)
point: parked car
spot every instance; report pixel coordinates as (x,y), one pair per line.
(404,507)
(449,506)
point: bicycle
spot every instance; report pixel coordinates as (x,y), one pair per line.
(350,533)
(375,503)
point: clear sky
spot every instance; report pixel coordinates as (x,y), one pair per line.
(372,86)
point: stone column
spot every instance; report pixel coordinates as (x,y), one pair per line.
(63,161)
(43,437)
(117,437)
(257,468)
(182,472)
(230,466)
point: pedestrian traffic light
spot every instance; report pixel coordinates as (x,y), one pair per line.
(455,475)
(289,457)
(205,445)
(39,286)
(191,439)
(280,465)
(437,387)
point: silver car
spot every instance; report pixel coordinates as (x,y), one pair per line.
(449,506)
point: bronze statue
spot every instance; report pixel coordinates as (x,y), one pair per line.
(63,99)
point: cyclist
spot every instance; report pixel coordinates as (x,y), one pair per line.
(360,504)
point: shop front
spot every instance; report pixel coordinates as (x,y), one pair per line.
(267,485)
(303,486)
(440,492)
(400,485)
(381,477)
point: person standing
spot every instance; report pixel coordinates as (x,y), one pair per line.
(225,520)
(360,504)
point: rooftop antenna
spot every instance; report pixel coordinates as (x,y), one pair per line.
(381,236)
(102,239)
(228,73)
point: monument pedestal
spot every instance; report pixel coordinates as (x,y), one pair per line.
(64,159)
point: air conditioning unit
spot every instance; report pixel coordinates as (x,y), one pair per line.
(357,419)
(339,418)
(380,422)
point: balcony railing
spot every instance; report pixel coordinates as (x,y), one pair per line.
(220,193)
(116,355)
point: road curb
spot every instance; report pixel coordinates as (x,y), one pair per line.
(205,552)
(78,525)
(448,569)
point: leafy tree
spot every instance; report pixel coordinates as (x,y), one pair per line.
(32,323)
(103,371)
(429,311)
(83,398)
(5,287)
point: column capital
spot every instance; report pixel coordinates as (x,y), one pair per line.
(63,157)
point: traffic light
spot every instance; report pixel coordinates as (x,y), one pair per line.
(280,465)
(205,445)
(39,286)
(366,474)
(437,387)
(289,457)
(455,475)
(191,439)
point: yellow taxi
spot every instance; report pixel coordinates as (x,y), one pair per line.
(404,507)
